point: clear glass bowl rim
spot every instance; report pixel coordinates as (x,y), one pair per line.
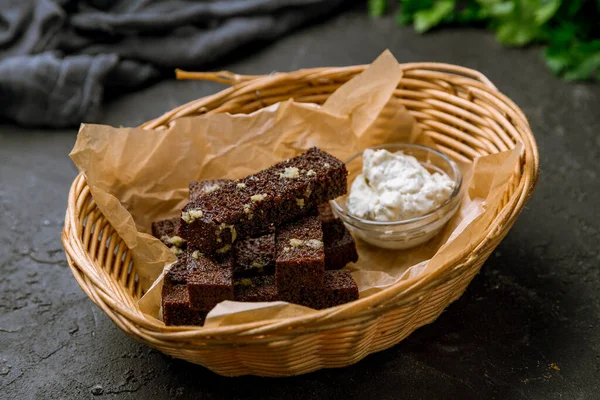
(400,146)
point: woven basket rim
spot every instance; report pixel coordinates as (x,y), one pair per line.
(322,319)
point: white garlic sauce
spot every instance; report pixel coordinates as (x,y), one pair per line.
(395,186)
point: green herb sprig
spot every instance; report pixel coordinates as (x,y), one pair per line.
(569,30)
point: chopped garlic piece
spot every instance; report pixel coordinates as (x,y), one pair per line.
(176,241)
(231,228)
(210,189)
(296,242)
(176,250)
(191,215)
(258,197)
(290,172)
(314,244)
(224,249)
(244,282)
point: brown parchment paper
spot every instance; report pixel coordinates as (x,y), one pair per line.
(139,176)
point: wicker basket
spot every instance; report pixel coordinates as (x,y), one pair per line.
(460,109)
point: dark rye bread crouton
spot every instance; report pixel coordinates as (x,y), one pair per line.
(338,288)
(326,213)
(208,282)
(167,232)
(254,256)
(165,228)
(176,308)
(201,187)
(178,273)
(340,248)
(299,257)
(255,289)
(259,203)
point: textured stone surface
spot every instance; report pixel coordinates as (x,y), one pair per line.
(535,304)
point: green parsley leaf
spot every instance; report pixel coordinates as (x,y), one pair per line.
(427,19)
(377,7)
(569,28)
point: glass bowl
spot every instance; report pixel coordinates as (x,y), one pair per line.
(407,233)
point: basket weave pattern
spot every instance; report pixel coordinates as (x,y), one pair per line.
(460,109)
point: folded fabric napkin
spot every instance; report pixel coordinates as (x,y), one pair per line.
(58,56)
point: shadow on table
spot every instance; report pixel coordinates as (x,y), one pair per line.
(498,340)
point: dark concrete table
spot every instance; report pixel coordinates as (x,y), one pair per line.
(527,327)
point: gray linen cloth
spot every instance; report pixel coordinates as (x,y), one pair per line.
(57,57)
